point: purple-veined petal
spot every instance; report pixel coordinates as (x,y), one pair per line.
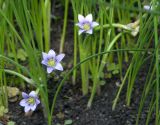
(45,62)
(50,69)
(89,18)
(27,108)
(80,31)
(45,55)
(59,67)
(59,57)
(80,18)
(37,101)
(51,54)
(33,94)
(33,107)
(24,95)
(94,24)
(89,31)
(23,102)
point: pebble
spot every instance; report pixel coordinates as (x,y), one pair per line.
(128,122)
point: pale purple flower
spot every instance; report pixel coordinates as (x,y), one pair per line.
(147,7)
(29,102)
(52,61)
(86,24)
(150,7)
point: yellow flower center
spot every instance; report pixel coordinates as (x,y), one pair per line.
(51,62)
(86,26)
(31,100)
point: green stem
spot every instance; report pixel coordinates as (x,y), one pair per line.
(86,59)
(120,89)
(15,63)
(30,81)
(96,80)
(75,44)
(84,68)
(13,29)
(46,7)
(64,26)
(125,27)
(75,56)
(157,67)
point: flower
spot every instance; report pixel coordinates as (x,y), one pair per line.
(147,7)
(151,6)
(30,101)
(52,61)
(134,27)
(86,24)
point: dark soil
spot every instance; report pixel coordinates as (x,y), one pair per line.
(72,105)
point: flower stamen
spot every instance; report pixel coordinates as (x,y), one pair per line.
(51,62)
(86,26)
(31,101)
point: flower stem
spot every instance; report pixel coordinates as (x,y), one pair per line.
(83,61)
(46,7)
(96,80)
(64,26)
(157,67)
(125,27)
(30,81)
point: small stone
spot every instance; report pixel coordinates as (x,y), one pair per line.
(128,122)
(60,115)
(77,118)
(118,84)
(106,94)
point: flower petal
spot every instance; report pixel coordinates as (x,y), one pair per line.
(59,67)
(94,24)
(33,94)
(45,55)
(50,69)
(24,95)
(89,31)
(80,25)
(23,102)
(51,54)
(80,31)
(81,18)
(33,107)
(27,108)
(37,101)
(59,57)
(147,7)
(44,62)
(89,18)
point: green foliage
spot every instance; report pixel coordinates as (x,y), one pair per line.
(125,30)
(3,95)
(68,122)
(26,26)
(151,88)
(140,22)
(102,82)
(3,111)
(113,69)
(10,123)
(104,38)
(21,55)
